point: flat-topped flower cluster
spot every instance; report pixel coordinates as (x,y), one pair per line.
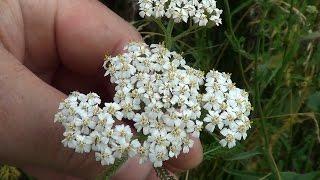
(228,108)
(161,95)
(90,128)
(201,11)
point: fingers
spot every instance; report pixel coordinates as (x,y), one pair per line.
(27,131)
(186,161)
(43,173)
(86,31)
(132,170)
(176,165)
(182,163)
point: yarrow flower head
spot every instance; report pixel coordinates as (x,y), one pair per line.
(90,128)
(228,108)
(201,11)
(160,94)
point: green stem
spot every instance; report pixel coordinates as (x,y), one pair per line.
(257,90)
(229,23)
(159,23)
(112,169)
(191,29)
(163,173)
(242,73)
(168,33)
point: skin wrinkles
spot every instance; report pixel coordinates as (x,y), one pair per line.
(39,23)
(11,29)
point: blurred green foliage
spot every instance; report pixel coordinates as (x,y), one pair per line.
(272,49)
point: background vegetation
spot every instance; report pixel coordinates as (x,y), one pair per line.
(272,49)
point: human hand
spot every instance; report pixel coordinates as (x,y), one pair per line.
(48,48)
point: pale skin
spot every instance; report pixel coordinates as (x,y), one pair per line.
(49,48)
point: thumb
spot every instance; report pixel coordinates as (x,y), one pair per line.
(27,108)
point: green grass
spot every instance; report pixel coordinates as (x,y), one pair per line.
(272,49)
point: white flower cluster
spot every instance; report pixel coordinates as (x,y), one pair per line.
(228,108)
(90,128)
(201,11)
(160,93)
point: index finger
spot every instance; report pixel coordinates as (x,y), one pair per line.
(86,31)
